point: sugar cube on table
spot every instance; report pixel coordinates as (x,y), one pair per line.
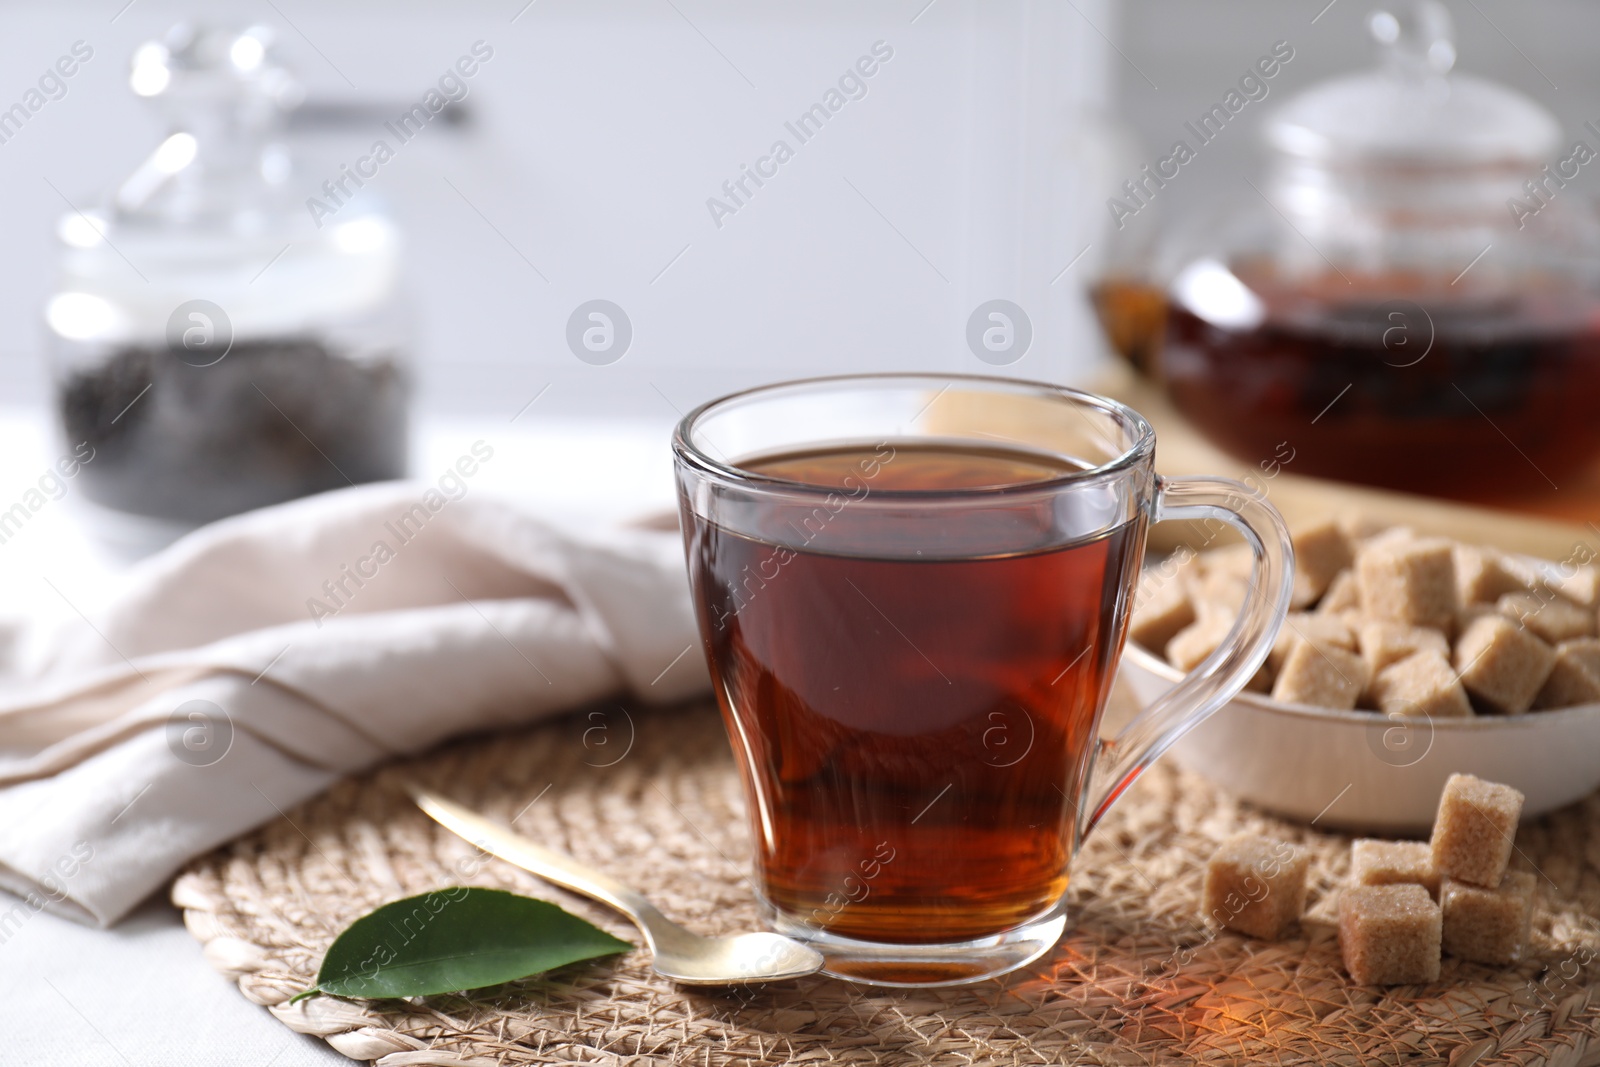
(1344,594)
(1474,830)
(1552,617)
(1322,675)
(1502,664)
(1423,685)
(1575,678)
(1488,925)
(1412,582)
(1374,862)
(1484,575)
(1389,934)
(1383,643)
(1320,553)
(1256,885)
(1161,608)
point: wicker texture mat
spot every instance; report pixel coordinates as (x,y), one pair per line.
(1139,978)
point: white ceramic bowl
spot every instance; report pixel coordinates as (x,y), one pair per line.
(1359,770)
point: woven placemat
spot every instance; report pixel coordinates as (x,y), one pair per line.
(653,798)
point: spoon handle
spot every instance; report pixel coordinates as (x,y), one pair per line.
(550,865)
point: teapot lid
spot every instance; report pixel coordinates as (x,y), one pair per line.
(1411,109)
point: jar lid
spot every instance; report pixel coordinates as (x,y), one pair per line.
(1411,110)
(214,62)
(209,211)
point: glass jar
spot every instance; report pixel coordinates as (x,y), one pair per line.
(1409,297)
(215,347)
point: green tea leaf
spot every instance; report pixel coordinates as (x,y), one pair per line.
(456,939)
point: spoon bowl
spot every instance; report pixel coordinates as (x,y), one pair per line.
(677,953)
(735,960)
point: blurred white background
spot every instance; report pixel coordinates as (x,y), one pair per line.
(976,167)
(590,145)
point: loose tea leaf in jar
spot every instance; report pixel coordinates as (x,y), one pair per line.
(253,353)
(271,421)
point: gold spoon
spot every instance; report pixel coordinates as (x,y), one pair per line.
(679,954)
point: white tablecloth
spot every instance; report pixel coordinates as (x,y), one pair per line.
(141,995)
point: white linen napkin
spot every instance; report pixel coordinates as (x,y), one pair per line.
(248,666)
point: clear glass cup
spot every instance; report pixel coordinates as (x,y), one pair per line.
(913,592)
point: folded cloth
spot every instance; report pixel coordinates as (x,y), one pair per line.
(248,666)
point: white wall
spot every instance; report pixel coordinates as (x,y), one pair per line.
(600,131)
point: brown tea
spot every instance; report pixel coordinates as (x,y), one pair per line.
(1133,314)
(1475,400)
(916,695)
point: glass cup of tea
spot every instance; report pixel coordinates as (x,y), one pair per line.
(913,591)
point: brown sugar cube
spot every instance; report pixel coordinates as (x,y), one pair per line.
(1198,640)
(1581,587)
(1320,553)
(1375,862)
(1575,678)
(1412,582)
(1321,675)
(1256,886)
(1552,617)
(1488,925)
(1201,638)
(1235,561)
(1161,608)
(1473,832)
(1502,664)
(1299,626)
(1344,594)
(1484,575)
(1423,685)
(1218,593)
(1471,613)
(1383,643)
(1389,934)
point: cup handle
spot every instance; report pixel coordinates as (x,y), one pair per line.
(1121,759)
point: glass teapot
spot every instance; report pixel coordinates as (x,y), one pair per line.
(216,347)
(1409,296)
